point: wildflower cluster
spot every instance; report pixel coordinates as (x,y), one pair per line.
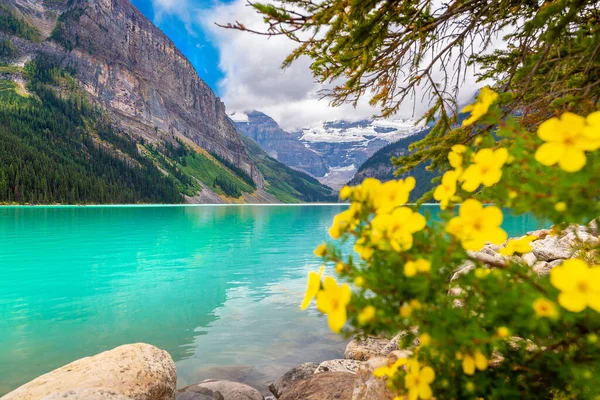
(497,330)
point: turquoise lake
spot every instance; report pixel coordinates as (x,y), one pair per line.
(218,287)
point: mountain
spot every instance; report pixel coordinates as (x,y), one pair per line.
(278,143)
(380,166)
(120,95)
(331,151)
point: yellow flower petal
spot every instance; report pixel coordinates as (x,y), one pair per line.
(336,318)
(549,153)
(572,160)
(427,374)
(572,301)
(468,364)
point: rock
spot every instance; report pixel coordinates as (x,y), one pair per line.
(367,386)
(393,344)
(292,377)
(491,249)
(539,234)
(361,349)
(541,268)
(324,386)
(338,366)
(138,371)
(195,392)
(492,259)
(227,389)
(549,249)
(530,259)
(87,394)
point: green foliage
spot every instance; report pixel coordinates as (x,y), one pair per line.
(286,184)
(12,24)
(53,149)
(237,170)
(498,330)
(61,33)
(7,50)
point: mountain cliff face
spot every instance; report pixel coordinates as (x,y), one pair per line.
(144,84)
(278,143)
(331,151)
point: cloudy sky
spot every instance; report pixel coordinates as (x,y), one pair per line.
(244,69)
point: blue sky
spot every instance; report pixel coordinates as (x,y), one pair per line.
(244,70)
(189,38)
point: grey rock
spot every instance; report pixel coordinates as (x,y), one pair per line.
(88,394)
(195,392)
(363,348)
(342,365)
(292,377)
(139,371)
(529,258)
(542,268)
(549,249)
(463,269)
(325,386)
(228,389)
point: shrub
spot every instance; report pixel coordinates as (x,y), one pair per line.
(507,332)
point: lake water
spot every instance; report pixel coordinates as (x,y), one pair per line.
(218,287)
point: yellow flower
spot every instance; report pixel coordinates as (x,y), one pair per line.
(579,285)
(392,194)
(412,267)
(425,339)
(321,250)
(472,361)
(359,281)
(332,300)
(389,370)
(512,195)
(312,287)
(522,245)
(344,221)
(397,227)
(366,315)
(455,157)
(478,109)
(345,193)
(567,139)
(417,381)
(447,189)
(340,267)
(486,169)
(366,190)
(407,309)
(481,273)
(503,332)
(545,308)
(364,252)
(561,206)
(475,225)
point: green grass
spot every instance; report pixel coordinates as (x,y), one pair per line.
(212,173)
(8,90)
(193,167)
(10,69)
(12,24)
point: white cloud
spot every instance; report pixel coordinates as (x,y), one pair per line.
(254,79)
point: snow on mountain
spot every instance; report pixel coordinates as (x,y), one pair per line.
(239,116)
(360,131)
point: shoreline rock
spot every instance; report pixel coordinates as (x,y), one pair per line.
(135,371)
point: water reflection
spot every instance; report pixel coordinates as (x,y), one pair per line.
(217,287)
